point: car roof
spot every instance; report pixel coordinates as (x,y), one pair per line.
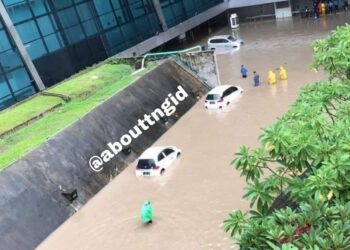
(220,36)
(152,152)
(219,89)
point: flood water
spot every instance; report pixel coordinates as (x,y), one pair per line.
(196,194)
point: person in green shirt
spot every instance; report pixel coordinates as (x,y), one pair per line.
(147,212)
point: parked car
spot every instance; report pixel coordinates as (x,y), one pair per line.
(155,160)
(224,42)
(222,96)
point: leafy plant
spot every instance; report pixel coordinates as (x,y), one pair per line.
(298,180)
(333,53)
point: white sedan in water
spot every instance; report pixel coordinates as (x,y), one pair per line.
(224,42)
(222,96)
(155,160)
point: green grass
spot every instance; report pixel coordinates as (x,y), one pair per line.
(86,91)
(15,116)
(87,83)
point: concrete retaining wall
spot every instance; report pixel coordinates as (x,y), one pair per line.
(31,203)
(204,64)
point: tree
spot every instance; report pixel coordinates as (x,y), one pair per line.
(333,53)
(306,158)
(306,155)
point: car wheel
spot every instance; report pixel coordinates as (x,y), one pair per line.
(212,49)
(227,103)
(220,107)
(162,171)
(178,154)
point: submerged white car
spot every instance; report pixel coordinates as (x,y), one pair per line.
(155,160)
(223,42)
(222,96)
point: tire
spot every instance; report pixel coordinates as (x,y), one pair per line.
(178,155)
(162,171)
(227,103)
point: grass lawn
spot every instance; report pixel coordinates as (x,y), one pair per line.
(87,91)
(13,117)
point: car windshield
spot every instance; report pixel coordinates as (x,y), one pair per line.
(145,164)
(232,39)
(213,97)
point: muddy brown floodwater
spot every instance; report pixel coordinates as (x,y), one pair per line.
(196,194)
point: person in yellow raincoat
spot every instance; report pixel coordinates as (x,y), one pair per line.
(271,77)
(323,8)
(283,74)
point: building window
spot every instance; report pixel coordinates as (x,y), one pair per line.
(90,28)
(18,10)
(46,25)
(39,7)
(103,7)
(177,11)
(53,42)
(74,34)
(6,97)
(60,4)
(4,42)
(10,60)
(36,49)
(68,17)
(18,79)
(28,31)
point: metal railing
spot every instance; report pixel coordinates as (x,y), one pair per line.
(162,55)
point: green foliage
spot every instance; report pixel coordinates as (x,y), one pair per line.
(235,224)
(306,156)
(333,53)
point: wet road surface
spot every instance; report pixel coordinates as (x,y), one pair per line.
(196,194)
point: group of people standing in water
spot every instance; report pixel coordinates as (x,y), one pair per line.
(271,79)
(325,7)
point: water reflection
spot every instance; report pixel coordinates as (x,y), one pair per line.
(235,33)
(284,84)
(229,51)
(273,89)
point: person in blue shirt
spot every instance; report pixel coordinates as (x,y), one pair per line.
(256,79)
(346,5)
(336,4)
(244,71)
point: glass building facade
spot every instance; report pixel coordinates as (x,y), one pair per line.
(15,82)
(64,36)
(177,11)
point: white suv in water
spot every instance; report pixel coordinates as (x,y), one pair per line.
(155,160)
(224,42)
(222,96)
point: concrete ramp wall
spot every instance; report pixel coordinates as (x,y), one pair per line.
(31,201)
(203,64)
